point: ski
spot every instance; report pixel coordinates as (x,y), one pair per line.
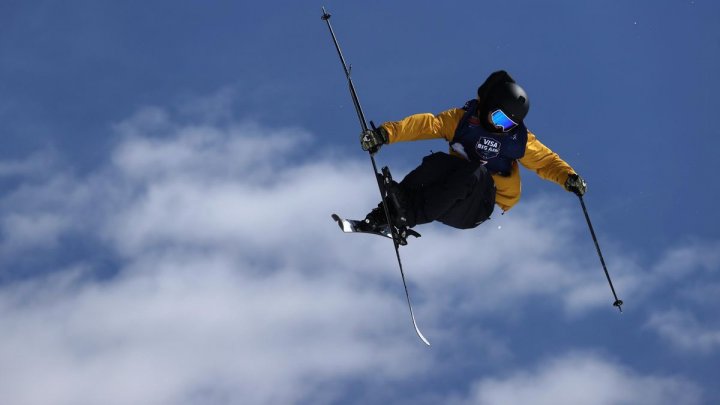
(397,238)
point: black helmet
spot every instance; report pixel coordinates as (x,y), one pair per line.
(510,98)
(499,91)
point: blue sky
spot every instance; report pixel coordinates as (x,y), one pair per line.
(168,171)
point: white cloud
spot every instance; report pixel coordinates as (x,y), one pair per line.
(687,275)
(37,164)
(581,379)
(177,329)
(682,329)
(35,215)
(36,230)
(231,285)
(689,257)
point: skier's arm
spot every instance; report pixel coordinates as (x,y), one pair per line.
(419,127)
(546,163)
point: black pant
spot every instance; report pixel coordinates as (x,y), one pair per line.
(450,190)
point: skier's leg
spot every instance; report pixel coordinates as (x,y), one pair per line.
(433,169)
(431,201)
(396,201)
(429,190)
(437,185)
(476,207)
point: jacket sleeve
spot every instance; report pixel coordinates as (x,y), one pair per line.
(543,161)
(419,127)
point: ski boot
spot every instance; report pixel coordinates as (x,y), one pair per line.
(395,199)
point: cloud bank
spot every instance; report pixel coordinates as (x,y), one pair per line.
(199,265)
(581,378)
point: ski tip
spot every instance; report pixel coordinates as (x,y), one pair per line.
(344,224)
(339,221)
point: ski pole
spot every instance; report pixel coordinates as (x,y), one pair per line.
(363,125)
(618,302)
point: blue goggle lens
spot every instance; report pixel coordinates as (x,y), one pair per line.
(501,120)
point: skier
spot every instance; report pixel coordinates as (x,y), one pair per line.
(487,139)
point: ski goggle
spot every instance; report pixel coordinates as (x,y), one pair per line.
(501,120)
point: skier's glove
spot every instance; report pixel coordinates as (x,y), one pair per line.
(372,140)
(576,184)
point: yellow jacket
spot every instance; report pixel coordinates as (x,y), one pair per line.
(538,157)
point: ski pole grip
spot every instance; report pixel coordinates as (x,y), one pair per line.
(376,149)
